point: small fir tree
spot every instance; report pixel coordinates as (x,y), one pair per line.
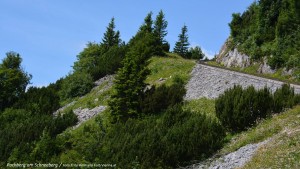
(111,37)
(181,46)
(160,26)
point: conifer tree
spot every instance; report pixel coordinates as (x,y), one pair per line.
(130,80)
(148,25)
(160,26)
(111,37)
(181,46)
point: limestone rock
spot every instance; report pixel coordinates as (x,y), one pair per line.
(85,114)
(232,58)
(264,68)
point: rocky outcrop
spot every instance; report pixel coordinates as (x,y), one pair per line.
(108,78)
(210,82)
(232,58)
(85,114)
(232,160)
(264,68)
(55,114)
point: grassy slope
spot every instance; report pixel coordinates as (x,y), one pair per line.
(282,151)
(284,129)
(169,67)
(160,67)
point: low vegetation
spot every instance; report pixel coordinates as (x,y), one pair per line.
(282,130)
(239,109)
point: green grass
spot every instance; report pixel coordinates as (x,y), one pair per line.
(202,105)
(160,67)
(282,151)
(169,67)
(284,131)
(97,96)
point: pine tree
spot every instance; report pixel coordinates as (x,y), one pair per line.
(130,80)
(111,37)
(148,25)
(160,26)
(196,53)
(181,46)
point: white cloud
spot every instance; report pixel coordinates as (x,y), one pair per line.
(208,53)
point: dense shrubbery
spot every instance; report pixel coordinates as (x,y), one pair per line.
(158,99)
(284,98)
(23,124)
(13,80)
(269,28)
(168,141)
(76,84)
(239,109)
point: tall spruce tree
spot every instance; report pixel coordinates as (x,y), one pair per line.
(130,80)
(160,26)
(181,46)
(111,37)
(100,59)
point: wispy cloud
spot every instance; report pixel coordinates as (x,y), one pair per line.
(208,53)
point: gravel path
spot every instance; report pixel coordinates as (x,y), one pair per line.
(230,161)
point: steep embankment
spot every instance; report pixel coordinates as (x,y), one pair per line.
(88,106)
(210,82)
(273,143)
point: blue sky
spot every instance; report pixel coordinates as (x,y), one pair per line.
(49,34)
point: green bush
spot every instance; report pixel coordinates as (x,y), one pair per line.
(284,98)
(76,84)
(167,141)
(158,99)
(239,109)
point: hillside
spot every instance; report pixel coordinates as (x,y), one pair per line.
(275,144)
(265,38)
(174,136)
(281,128)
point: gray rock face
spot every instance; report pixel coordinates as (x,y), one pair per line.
(264,68)
(233,160)
(63,108)
(210,82)
(108,78)
(235,59)
(85,114)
